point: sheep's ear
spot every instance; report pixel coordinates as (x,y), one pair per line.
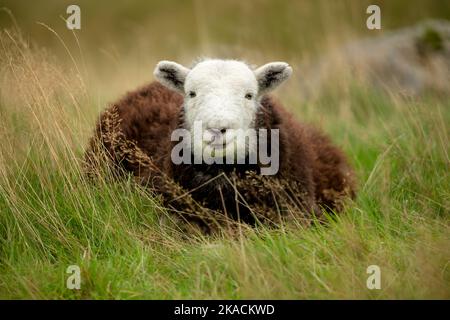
(270,75)
(171,74)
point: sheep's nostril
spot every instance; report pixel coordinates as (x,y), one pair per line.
(216,136)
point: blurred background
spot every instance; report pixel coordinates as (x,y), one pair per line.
(276,29)
(345,75)
(381,95)
(124,39)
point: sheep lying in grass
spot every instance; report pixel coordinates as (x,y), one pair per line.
(225,98)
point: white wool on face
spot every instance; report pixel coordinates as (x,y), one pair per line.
(220,88)
(222,95)
(225,98)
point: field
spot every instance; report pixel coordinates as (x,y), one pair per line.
(54,83)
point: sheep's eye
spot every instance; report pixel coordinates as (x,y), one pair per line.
(192,94)
(248,96)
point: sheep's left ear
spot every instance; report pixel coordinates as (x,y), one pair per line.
(171,74)
(271,75)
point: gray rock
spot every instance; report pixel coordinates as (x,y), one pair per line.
(409,61)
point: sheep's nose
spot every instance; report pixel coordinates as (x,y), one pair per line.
(217,132)
(216,136)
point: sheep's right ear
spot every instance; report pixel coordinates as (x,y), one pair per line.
(171,74)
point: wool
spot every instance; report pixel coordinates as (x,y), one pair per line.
(132,136)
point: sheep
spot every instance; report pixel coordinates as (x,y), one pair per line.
(136,136)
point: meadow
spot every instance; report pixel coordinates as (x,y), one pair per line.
(54,83)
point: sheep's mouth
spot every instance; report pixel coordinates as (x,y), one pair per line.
(221,149)
(219,141)
(221,145)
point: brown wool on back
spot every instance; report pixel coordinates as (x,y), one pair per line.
(133,136)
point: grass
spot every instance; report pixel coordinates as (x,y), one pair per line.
(128,247)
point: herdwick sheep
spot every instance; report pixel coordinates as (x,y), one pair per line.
(223,99)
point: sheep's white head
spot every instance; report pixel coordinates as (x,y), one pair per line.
(224,95)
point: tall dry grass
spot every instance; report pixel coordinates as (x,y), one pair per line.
(128,246)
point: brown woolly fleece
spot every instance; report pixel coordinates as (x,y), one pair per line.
(313,173)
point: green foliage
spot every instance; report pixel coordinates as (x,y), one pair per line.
(430,40)
(128,247)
